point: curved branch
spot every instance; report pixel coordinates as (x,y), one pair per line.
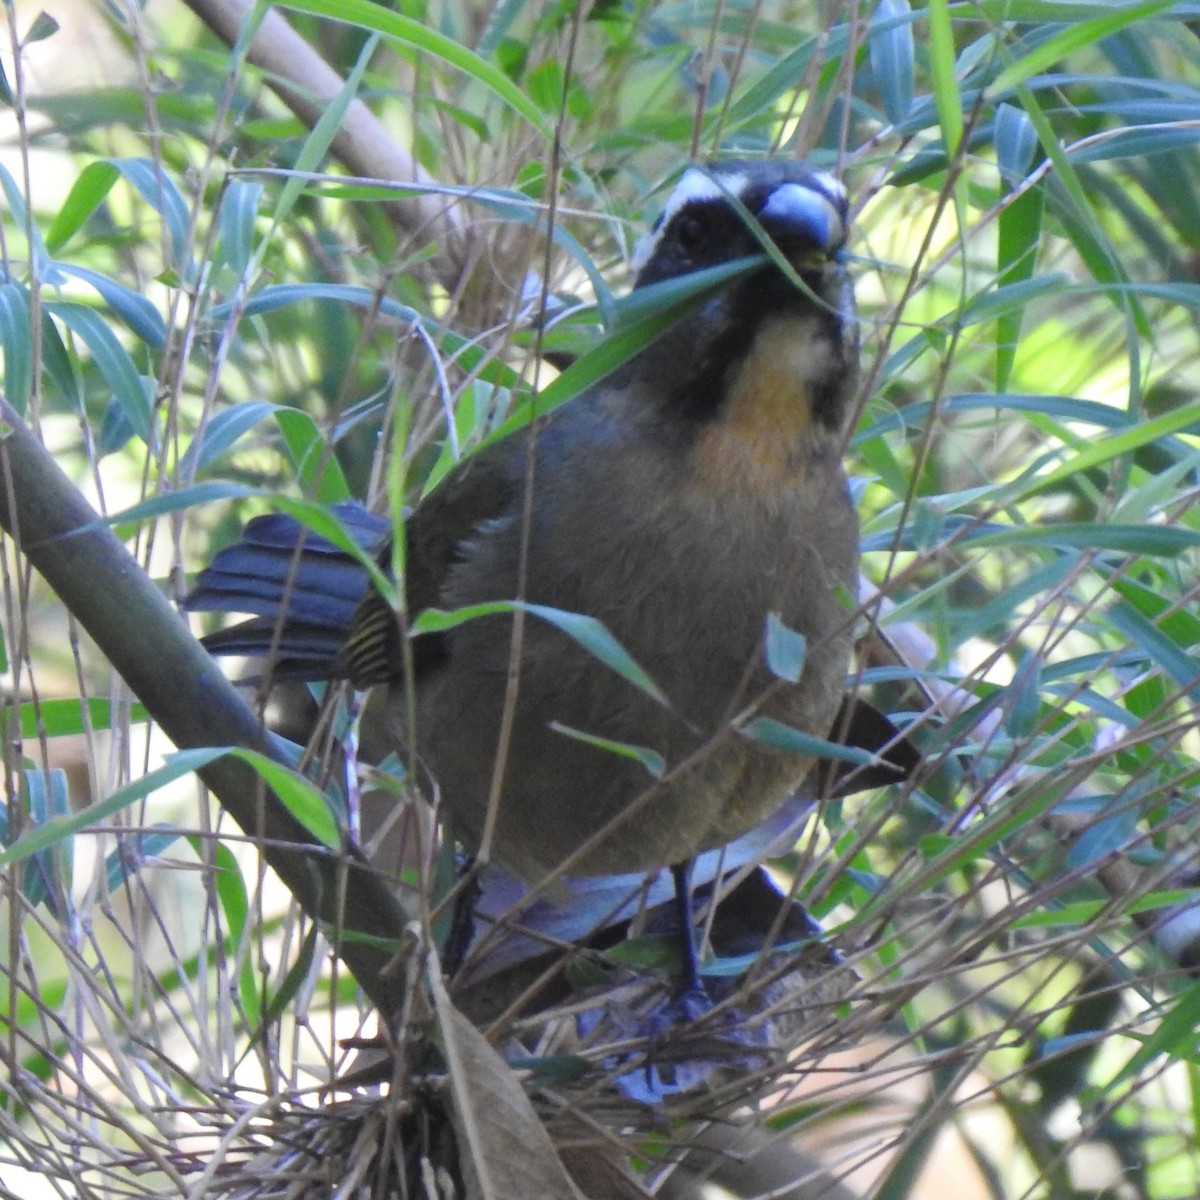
(151,647)
(306,83)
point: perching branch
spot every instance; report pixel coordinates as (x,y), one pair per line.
(151,647)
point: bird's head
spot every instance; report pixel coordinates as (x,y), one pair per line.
(764,373)
(725,210)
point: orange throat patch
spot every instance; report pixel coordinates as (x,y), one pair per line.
(765,437)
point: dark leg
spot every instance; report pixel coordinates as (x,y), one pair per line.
(462,919)
(682,874)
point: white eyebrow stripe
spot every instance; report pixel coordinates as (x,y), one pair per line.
(834,189)
(695,184)
(698,184)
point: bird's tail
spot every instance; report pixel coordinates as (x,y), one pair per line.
(303,591)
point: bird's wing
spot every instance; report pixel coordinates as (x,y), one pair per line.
(302,590)
(315,614)
(481,488)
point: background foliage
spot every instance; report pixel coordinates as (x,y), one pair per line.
(201,311)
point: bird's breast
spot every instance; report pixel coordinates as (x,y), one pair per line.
(764,436)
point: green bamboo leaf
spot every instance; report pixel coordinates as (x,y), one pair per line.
(180,500)
(654,762)
(1060,408)
(134,309)
(1175,1036)
(785,650)
(234,898)
(1070,39)
(294,982)
(16,340)
(1020,231)
(47,877)
(24,222)
(302,798)
(128,388)
(135,850)
(642,316)
(1016,143)
(1153,494)
(587,631)
(783,737)
(546,85)
(468,354)
(890,45)
(946,97)
(1135,143)
(44,26)
(1071,204)
(1115,445)
(1022,698)
(317,467)
(87,193)
(115,430)
(1020,227)
(65,718)
(58,829)
(762,90)
(160,192)
(595,638)
(1182,667)
(235,219)
(1108,834)
(221,433)
(1180,626)
(419,35)
(1154,540)
(60,367)
(316,146)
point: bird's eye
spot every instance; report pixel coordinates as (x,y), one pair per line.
(689,232)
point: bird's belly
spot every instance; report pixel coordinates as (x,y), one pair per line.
(568,802)
(686,589)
